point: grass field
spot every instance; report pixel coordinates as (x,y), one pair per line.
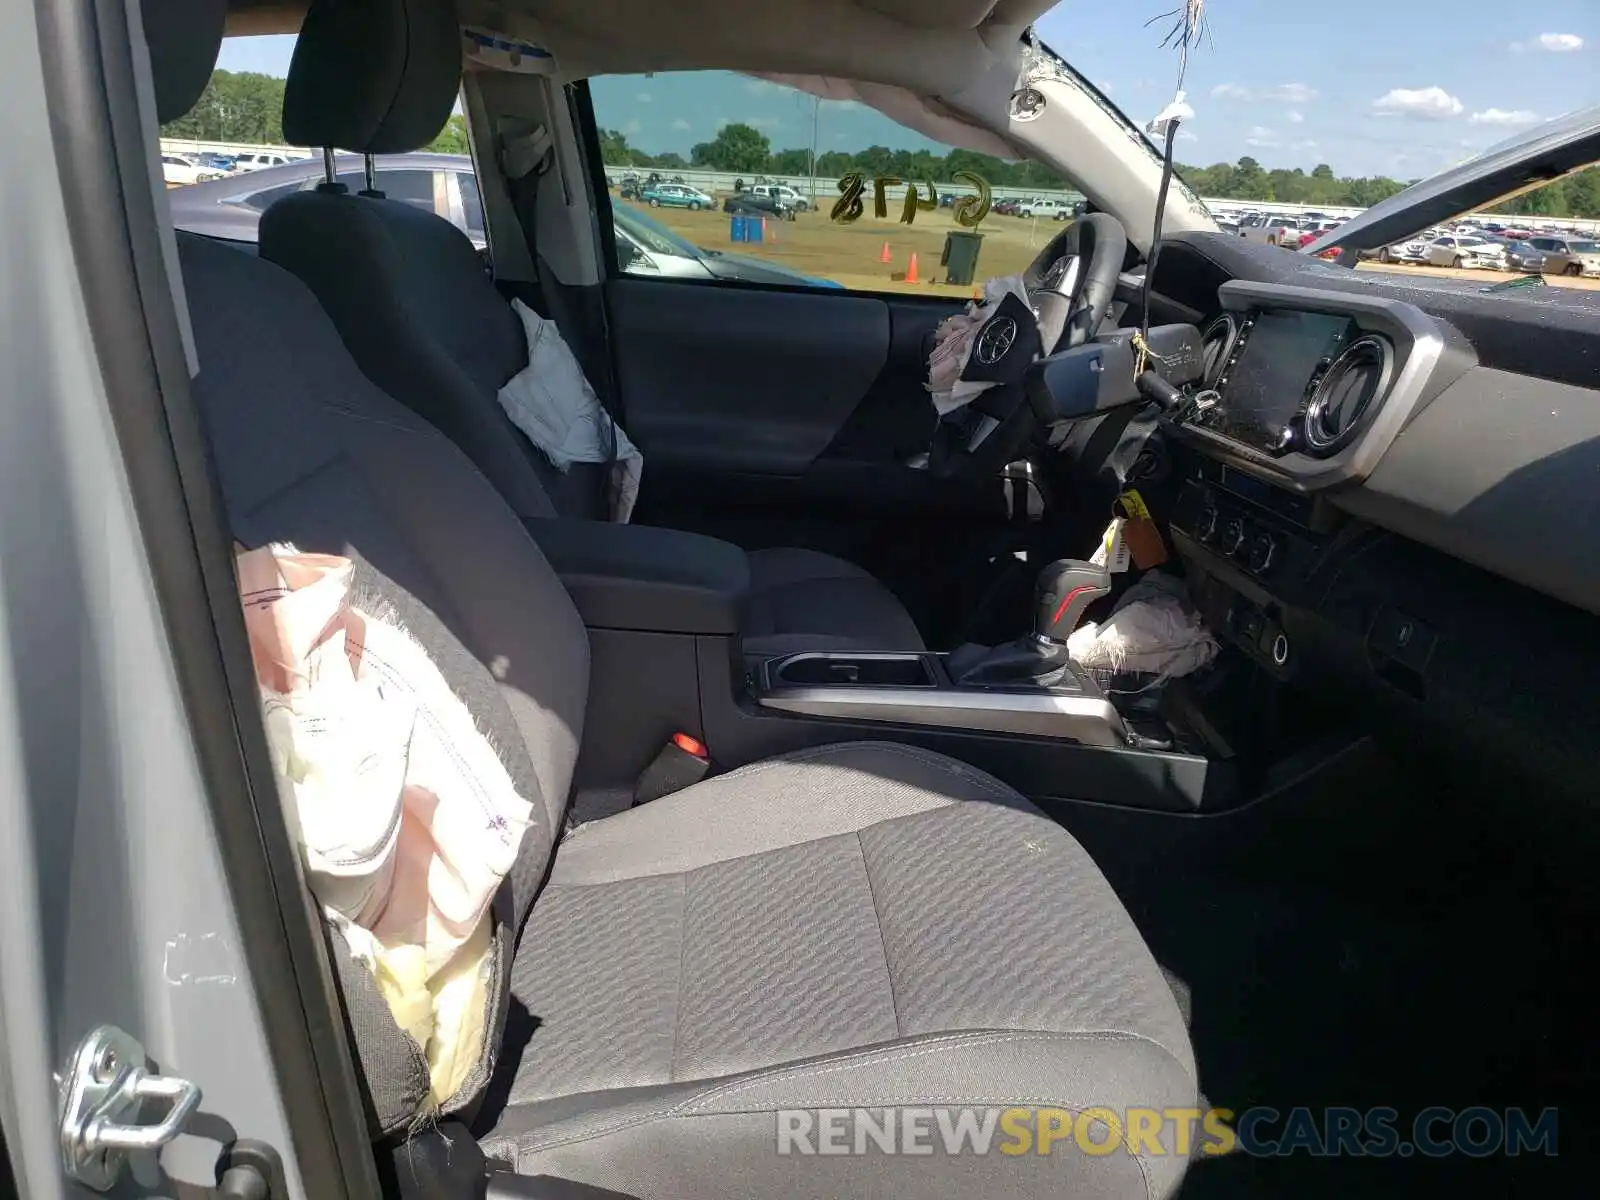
(850,254)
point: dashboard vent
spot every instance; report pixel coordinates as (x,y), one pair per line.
(1347,393)
(1216,344)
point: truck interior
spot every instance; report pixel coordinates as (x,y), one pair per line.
(1349,863)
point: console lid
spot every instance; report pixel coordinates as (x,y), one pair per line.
(645,578)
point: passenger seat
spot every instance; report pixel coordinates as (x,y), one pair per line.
(853,925)
(409,295)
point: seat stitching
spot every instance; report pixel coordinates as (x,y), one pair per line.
(683,944)
(877,918)
(695,1105)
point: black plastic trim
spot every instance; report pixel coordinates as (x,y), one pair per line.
(85,50)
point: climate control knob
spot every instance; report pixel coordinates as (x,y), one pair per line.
(1263,553)
(1205,523)
(1233,536)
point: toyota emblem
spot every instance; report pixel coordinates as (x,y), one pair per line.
(994,343)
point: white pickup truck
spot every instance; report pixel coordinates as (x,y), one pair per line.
(1274,231)
(1058,210)
(783,193)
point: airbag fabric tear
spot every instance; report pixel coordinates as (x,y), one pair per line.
(407,819)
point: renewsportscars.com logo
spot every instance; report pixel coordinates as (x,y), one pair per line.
(1156,1132)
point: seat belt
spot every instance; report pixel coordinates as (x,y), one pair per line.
(525,158)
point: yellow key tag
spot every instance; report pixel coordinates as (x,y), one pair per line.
(1133,504)
(1142,535)
(1112,552)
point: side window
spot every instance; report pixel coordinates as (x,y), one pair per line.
(471,203)
(722,178)
(408,186)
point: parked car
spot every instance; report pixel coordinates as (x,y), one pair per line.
(1006,208)
(1523,256)
(1568,255)
(631,189)
(784,193)
(1275,231)
(1453,251)
(179,170)
(1054,210)
(217,162)
(1408,250)
(677,195)
(260,160)
(749,203)
(230,208)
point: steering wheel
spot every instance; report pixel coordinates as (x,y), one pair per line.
(1073,279)
(1070,285)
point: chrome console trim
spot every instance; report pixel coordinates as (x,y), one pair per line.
(1078,713)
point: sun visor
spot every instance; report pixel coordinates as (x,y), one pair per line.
(932,118)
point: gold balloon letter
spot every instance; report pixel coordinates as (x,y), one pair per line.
(972,209)
(847,207)
(880,207)
(914,202)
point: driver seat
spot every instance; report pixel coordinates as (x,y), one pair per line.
(412,302)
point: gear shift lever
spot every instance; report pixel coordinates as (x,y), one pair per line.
(1064,590)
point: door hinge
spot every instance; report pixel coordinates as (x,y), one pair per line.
(104,1093)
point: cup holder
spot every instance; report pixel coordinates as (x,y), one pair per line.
(819,669)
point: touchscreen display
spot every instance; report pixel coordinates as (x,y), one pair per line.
(1266,385)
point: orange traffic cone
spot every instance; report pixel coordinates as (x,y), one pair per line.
(885,256)
(911,270)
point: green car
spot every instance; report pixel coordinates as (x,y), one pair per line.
(677,195)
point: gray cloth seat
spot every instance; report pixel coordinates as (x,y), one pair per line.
(866,924)
(827,930)
(410,296)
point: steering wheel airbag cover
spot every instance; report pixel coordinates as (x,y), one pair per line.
(1066,321)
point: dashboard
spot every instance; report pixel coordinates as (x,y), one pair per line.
(1396,486)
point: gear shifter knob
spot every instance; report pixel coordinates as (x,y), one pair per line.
(1066,588)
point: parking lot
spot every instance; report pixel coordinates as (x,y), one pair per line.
(850,254)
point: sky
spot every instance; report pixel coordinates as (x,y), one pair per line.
(1401,88)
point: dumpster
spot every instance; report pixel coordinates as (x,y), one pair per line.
(960,256)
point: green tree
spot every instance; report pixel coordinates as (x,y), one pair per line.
(791,162)
(737,147)
(236,106)
(452,138)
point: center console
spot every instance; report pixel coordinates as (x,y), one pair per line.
(917,689)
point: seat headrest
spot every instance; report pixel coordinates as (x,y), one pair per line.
(184,37)
(373,76)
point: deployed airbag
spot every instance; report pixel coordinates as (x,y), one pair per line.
(551,401)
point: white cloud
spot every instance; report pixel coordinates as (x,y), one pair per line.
(1294,117)
(682,126)
(1292,93)
(1261,137)
(1185,136)
(1504,116)
(645,98)
(1286,93)
(1306,144)
(1555,43)
(1429,104)
(632,128)
(764,122)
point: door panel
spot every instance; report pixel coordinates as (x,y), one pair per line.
(743,380)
